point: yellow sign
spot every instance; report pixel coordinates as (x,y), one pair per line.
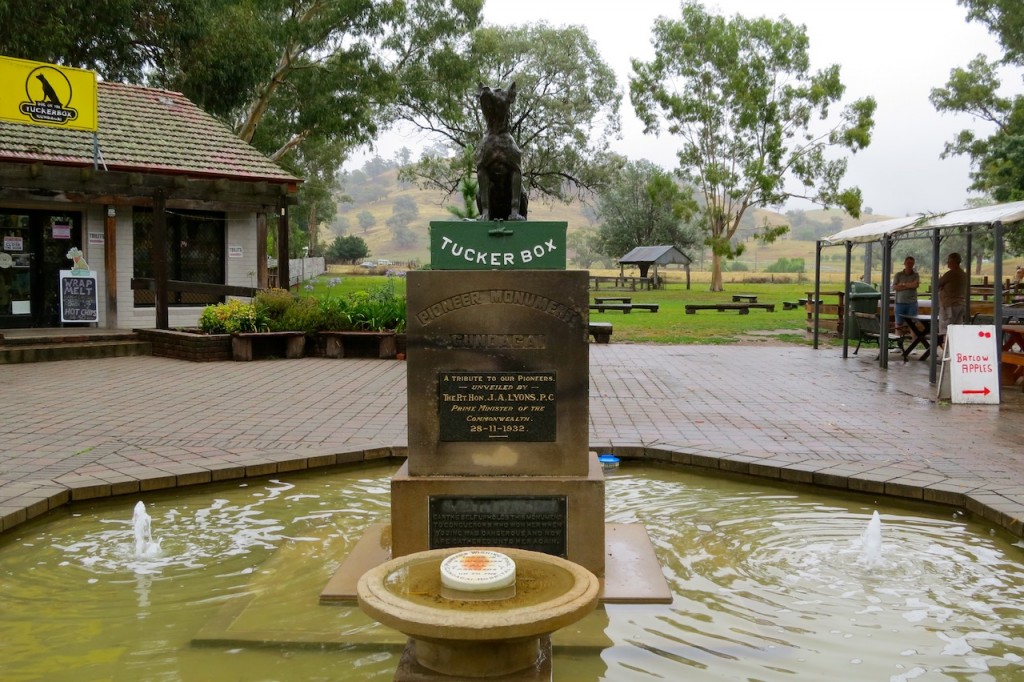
(47,94)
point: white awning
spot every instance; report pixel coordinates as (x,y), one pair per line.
(986,215)
(872,232)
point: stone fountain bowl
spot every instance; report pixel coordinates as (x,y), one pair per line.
(475,638)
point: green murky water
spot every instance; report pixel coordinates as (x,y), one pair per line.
(770,584)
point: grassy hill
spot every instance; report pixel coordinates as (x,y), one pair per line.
(377,195)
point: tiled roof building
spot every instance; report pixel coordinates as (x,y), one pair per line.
(171,214)
(148,130)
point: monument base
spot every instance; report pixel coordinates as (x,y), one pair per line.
(557,515)
(632,572)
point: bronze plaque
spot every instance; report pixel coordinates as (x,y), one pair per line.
(534,523)
(510,406)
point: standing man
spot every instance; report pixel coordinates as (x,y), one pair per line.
(905,285)
(952,295)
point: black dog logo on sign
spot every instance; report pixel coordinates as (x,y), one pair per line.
(498,159)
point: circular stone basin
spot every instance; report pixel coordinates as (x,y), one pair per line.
(476,638)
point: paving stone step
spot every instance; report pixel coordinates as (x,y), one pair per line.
(11,354)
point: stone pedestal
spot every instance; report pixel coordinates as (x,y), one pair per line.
(498,378)
(558,515)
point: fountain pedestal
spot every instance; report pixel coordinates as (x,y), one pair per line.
(470,638)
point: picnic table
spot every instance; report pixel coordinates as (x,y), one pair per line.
(1013,360)
(613,299)
(625,308)
(741,308)
(748,298)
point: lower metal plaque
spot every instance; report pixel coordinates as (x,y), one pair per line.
(533,523)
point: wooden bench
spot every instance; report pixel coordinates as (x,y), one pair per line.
(741,308)
(625,308)
(293,344)
(612,299)
(747,298)
(1012,365)
(790,305)
(601,331)
(869,330)
(372,344)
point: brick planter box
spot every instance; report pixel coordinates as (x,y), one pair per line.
(187,345)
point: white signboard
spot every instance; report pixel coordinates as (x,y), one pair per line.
(235,251)
(13,243)
(973,364)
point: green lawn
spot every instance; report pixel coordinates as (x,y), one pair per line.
(670,324)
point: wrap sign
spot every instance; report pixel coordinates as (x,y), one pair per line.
(78,297)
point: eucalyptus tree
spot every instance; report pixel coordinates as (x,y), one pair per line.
(750,118)
(644,206)
(304,81)
(565,115)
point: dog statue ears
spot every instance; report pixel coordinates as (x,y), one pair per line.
(481,88)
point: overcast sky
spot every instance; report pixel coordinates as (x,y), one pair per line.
(893,50)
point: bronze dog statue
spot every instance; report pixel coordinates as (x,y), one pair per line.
(498,160)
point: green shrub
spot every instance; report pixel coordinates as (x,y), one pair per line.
(275,302)
(303,315)
(378,309)
(334,314)
(233,317)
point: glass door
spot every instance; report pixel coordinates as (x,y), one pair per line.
(33,251)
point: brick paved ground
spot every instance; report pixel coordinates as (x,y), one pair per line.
(77,430)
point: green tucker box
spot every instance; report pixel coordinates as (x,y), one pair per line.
(501,245)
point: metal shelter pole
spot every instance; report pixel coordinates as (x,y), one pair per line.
(997,291)
(934,332)
(817,289)
(883,303)
(846,278)
(969,252)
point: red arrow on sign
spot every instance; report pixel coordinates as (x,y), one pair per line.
(985,391)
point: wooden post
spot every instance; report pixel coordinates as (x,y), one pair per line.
(110,264)
(261,250)
(284,278)
(160,256)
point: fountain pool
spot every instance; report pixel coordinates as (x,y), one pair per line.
(769,583)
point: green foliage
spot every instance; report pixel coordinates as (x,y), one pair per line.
(366,220)
(468,188)
(998,159)
(377,309)
(304,81)
(1004,19)
(787,265)
(303,315)
(566,113)
(347,250)
(740,96)
(644,206)
(275,302)
(233,317)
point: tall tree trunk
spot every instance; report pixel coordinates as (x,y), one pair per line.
(311,229)
(716,273)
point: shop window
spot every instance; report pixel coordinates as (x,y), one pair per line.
(195,242)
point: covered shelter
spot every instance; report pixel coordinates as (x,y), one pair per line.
(887,232)
(644,257)
(166,205)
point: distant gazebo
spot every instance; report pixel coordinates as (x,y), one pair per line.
(645,256)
